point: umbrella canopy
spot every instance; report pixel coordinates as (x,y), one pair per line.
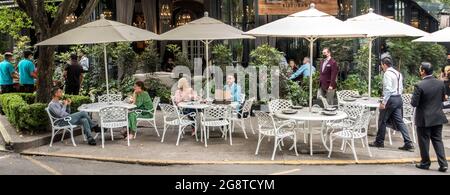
(310,24)
(101,31)
(379,26)
(205,29)
(442,36)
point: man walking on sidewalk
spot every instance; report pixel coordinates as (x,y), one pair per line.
(427,99)
(391,108)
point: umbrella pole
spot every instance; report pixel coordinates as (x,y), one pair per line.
(208,90)
(311,48)
(106,69)
(370,65)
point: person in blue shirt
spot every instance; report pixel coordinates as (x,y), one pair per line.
(27,73)
(304,70)
(232,90)
(7,73)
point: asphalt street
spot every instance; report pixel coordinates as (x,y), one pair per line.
(16,164)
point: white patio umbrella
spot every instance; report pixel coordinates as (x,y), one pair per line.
(101,31)
(310,24)
(379,26)
(206,30)
(442,36)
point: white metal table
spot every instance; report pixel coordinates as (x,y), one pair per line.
(305,115)
(96,107)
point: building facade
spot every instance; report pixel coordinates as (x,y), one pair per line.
(160,16)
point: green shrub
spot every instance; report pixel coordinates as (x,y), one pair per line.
(77,101)
(28,116)
(156,89)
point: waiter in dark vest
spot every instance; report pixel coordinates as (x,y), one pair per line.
(427,99)
(391,108)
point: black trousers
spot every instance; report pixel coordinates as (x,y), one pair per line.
(394,115)
(434,134)
(7,88)
(27,88)
(72,90)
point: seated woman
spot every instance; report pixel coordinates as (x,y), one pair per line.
(143,102)
(184,92)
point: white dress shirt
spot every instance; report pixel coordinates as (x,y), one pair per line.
(392,84)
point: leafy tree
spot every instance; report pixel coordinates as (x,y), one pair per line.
(48,23)
(14,21)
(222,56)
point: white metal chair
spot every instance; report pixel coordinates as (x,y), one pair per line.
(353,112)
(173,117)
(268,127)
(279,105)
(341,95)
(243,115)
(352,133)
(408,118)
(216,116)
(110,98)
(242,98)
(114,117)
(62,124)
(151,121)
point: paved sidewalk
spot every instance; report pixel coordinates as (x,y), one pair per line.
(148,149)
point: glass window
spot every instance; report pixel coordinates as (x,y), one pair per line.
(400,10)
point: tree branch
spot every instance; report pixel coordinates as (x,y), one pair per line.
(64,9)
(83,18)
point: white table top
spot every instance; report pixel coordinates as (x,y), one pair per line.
(371,102)
(96,107)
(305,115)
(200,106)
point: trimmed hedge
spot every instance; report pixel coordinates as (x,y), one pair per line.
(28,116)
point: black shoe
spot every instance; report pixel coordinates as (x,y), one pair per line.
(443,169)
(376,145)
(407,147)
(97,129)
(422,166)
(92,142)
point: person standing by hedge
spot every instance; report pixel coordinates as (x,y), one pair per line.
(143,103)
(61,109)
(27,73)
(7,73)
(73,75)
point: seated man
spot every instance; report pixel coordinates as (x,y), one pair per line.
(62,109)
(304,71)
(232,90)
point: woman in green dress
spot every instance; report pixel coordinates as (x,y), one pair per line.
(143,102)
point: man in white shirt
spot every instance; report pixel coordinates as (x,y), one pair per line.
(391,108)
(84,61)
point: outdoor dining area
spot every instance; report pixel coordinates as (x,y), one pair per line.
(344,125)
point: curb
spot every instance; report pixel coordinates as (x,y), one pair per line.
(197,162)
(4,135)
(18,146)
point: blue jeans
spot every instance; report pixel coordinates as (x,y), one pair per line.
(83,119)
